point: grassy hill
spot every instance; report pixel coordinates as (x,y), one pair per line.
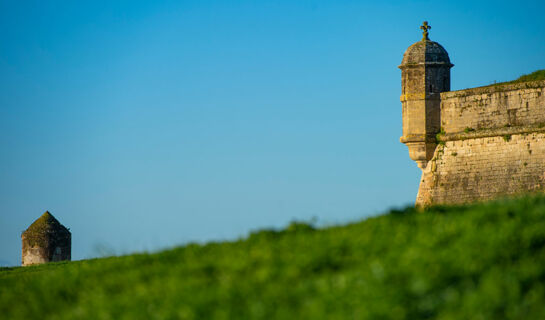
(484,261)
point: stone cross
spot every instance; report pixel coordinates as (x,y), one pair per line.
(425,27)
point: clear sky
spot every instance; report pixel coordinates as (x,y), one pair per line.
(143,125)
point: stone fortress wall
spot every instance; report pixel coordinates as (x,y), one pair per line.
(491,144)
(496,106)
(473,144)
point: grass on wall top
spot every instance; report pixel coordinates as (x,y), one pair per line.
(534,76)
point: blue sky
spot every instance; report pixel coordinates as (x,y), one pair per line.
(143,125)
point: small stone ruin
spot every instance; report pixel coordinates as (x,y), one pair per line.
(46,240)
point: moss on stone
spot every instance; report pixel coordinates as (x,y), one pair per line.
(44,230)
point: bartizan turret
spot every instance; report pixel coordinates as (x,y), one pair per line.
(425,73)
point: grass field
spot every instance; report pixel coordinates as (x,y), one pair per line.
(484,261)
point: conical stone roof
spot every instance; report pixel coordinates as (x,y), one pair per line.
(45,229)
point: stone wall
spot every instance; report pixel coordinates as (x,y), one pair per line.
(484,168)
(56,247)
(492,145)
(493,107)
(34,255)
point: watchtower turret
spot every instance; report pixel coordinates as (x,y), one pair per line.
(46,240)
(425,73)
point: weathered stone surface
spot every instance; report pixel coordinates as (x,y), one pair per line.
(506,105)
(494,145)
(478,169)
(46,240)
(474,144)
(425,51)
(425,73)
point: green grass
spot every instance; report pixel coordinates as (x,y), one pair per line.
(534,76)
(485,261)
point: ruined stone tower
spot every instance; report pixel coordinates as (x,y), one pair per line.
(46,240)
(425,73)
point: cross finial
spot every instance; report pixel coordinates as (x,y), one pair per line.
(425,27)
